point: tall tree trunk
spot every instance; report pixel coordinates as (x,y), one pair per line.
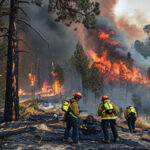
(11,97)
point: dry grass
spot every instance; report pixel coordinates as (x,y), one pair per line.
(28,102)
(42,127)
(141,123)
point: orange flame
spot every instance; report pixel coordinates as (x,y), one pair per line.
(56,86)
(106,37)
(45,87)
(21,92)
(46,90)
(117,71)
(32,79)
(13,111)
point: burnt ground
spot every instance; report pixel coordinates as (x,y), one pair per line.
(49,137)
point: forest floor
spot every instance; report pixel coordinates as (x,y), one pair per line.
(42,131)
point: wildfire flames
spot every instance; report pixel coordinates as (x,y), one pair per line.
(32,79)
(21,92)
(46,90)
(115,70)
(106,37)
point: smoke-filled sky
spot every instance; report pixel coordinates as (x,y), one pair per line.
(132,9)
(128,15)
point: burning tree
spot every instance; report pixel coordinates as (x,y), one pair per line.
(59,77)
(91,78)
(11,98)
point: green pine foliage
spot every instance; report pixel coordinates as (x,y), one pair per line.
(74,11)
(96,80)
(91,77)
(80,60)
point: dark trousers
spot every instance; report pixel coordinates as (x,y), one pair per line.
(131,123)
(105,125)
(71,122)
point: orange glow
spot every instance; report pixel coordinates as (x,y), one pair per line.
(13,111)
(32,79)
(54,74)
(21,92)
(14,78)
(56,86)
(117,70)
(46,90)
(103,35)
(106,37)
(46,87)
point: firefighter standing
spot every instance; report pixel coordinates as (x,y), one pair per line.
(71,118)
(131,116)
(108,111)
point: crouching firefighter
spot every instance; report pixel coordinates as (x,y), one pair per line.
(71,108)
(108,112)
(131,116)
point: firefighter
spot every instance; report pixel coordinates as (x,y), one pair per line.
(71,118)
(108,112)
(131,116)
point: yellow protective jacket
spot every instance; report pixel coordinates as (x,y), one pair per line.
(104,115)
(74,108)
(127,112)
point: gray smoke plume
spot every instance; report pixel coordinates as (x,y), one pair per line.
(121,93)
(62,43)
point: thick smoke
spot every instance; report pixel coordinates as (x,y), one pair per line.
(59,49)
(123,23)
(120,93)
(62,42)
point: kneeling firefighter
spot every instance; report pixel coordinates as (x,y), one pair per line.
(131,116)
(71,108)
(108,111)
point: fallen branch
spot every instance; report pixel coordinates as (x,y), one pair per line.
(4,14)
(4,134)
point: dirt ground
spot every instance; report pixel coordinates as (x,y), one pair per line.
(48,135)
(42,130)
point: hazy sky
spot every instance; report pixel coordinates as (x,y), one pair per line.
(138,11)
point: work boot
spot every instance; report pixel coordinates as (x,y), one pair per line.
(105,141)
(116,139)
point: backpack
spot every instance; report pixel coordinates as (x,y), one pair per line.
(108,107)
(132,112)
(66,105)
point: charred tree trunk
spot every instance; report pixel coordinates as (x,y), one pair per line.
(11,97)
